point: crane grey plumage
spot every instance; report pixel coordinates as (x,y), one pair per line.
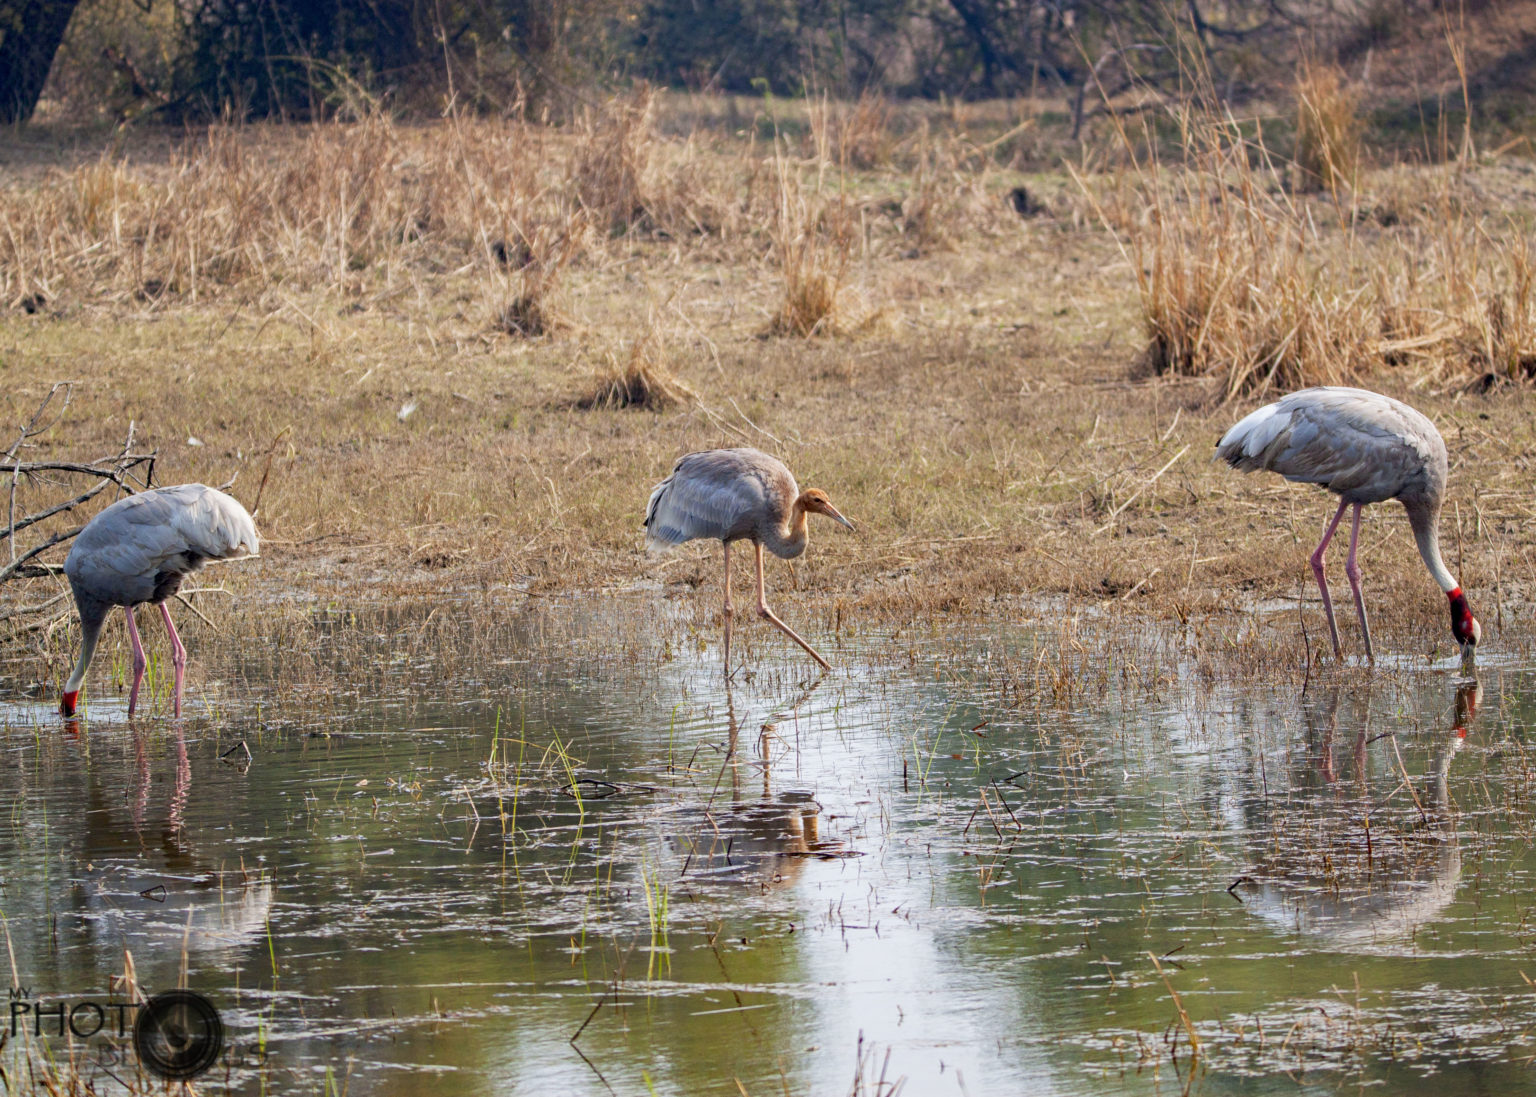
(730,495)
(1365,448)
(723,495)
(139,550)
(1360,445)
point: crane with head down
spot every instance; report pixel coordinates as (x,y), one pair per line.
(1365,448)
(139,550)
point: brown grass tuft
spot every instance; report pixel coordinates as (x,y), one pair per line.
(613,166)
(1498,328)
(813,235)
(531,312)
(526,317)
(1328,130)
(642,380)
(948,199)
(861,131)
(629,179)
(1233,280)
(1455,290)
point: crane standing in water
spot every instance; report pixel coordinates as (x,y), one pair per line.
(138,550)
(1365,448)
(737,495)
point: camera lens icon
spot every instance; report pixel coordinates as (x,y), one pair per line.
(178,1034)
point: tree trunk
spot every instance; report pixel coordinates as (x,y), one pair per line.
(30,33)
(975,21)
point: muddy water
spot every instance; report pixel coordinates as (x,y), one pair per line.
(581,864)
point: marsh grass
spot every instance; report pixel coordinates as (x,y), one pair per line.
(614,170)
(1235,280)
(861,132)
(1263,290)
(812,230)
(33,1064)
(949,197)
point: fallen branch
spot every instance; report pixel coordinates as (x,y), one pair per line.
(15,567)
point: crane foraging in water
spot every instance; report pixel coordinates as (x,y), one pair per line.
(737,495)
(1365,448)
(138,550)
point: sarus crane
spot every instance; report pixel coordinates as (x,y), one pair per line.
(737,495)
(139,550)
(1365,448)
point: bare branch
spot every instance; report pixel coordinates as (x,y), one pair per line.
(13,568)
(127,470)
(58,508)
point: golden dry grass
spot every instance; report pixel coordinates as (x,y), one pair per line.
(990,437)
(1244,280)
(1328,129)
(641,379)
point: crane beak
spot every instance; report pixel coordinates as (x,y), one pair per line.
(1469,659)
(832,512)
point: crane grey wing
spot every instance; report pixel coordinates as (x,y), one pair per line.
(1362,445)
(718,493)
(684,508)
(136,549)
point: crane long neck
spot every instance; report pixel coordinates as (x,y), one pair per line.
(90,633)
(1425,521)
(788,541)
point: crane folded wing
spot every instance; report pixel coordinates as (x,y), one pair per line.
(717,494)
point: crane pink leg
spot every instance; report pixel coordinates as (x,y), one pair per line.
(729,608)
(1352,570)
(178,656)
(1322,580)
(767,614)
(139,662)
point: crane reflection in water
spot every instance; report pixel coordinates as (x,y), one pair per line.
(1334,861)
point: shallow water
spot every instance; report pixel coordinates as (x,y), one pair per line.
(922,871)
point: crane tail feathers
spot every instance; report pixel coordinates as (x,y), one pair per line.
(1243,446)
(654,541)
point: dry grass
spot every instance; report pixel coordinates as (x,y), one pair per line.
(861,131)
(1264,290)
(1328,129)
(1234,279)
(641,379)
(989,439)
(536,271)
(813,239)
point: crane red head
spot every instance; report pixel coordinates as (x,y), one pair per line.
(1463,625)
(68,701)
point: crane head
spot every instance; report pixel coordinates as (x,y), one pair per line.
(67,702)
(815,501)
(1463,625)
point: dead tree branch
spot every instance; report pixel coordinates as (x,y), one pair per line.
(33,504)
